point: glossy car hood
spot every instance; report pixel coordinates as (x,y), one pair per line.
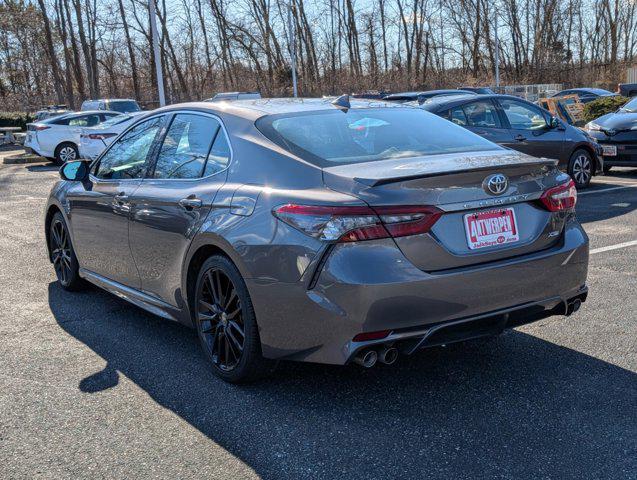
(384,171)
(617,121)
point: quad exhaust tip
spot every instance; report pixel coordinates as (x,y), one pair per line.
(367,358)
(388,355)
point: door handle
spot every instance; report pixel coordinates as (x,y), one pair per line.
(520,138)
(190,203)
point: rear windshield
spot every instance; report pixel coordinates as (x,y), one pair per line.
(363,135)
(117,119)
(123,106)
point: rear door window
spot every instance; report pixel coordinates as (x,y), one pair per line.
(186,147)
(482,114)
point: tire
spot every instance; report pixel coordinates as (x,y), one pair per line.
(607,169)
(63,255)
(581,168)
(65,152)
(223,313)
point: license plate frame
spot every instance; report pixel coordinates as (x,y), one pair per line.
(609,150)
(491,228)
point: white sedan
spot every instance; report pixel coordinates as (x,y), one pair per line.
(58,138)
(94,140)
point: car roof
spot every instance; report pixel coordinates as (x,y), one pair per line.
(81,113)
(256,108)
(451,101)
(425,92)
(598,91)
(110,100)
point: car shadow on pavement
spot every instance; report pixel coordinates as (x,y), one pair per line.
(512,407)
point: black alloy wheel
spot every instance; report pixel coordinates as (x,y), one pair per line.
(62,254)
(226,323)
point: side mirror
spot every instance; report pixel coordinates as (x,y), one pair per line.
(554,123)
(75,171)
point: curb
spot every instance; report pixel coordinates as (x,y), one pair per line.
(22,158)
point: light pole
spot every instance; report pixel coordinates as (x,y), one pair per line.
(497,55)
(292,42)
(155,38)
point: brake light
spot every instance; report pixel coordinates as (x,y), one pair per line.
(39,128)
(560,198)
(353,224)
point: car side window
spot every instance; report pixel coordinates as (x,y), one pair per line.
(482,114)
(219,155)
(128,157)
(523,116)
(186,146)
(457,116)
(85,121)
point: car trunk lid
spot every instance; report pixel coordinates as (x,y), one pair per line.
(514,222)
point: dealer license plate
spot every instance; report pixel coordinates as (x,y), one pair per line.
(491,228)
(609,150)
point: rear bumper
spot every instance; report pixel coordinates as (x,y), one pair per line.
(373,287)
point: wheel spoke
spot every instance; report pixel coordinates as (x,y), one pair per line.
(232,315)
(234,341)
(238,328)
(211,286)
(232,296)
(219,288)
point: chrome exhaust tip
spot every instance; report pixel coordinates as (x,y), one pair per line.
(366,358)
(388,355)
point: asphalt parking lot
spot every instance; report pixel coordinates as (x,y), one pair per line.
(91,386)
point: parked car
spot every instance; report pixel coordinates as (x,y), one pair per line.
(93,140)
(478,90)
(423,96)
(58,138)
(585,95)
(515,123)
(627,89)
(617,134)
(121,105)
(50,112)
(317,230)
(225,96)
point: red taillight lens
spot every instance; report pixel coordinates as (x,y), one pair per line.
(562,197)
(38,128)
(98,136)
(353,224)
(363,337)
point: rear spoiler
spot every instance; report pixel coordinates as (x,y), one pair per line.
(386,172)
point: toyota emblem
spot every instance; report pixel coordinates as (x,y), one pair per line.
(496,184)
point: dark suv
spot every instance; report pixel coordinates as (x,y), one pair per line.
(515,123)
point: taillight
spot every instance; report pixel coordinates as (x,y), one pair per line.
(98,136)
(562,197)
(353,224)
(38,128)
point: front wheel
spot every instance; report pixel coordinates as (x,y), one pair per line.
(226,323)
(63,256)
(580,168)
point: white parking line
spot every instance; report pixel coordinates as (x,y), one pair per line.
(579,194)
(614,247)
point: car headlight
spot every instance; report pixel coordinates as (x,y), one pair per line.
(592,126)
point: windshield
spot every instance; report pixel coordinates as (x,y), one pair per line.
(123,106)
(364,135)
(630,107)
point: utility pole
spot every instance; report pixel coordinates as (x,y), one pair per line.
(155,38)
(292,42)
(497,55)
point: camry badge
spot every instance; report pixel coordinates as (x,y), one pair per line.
(496,184)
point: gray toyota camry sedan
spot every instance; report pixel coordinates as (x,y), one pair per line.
(319,230)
